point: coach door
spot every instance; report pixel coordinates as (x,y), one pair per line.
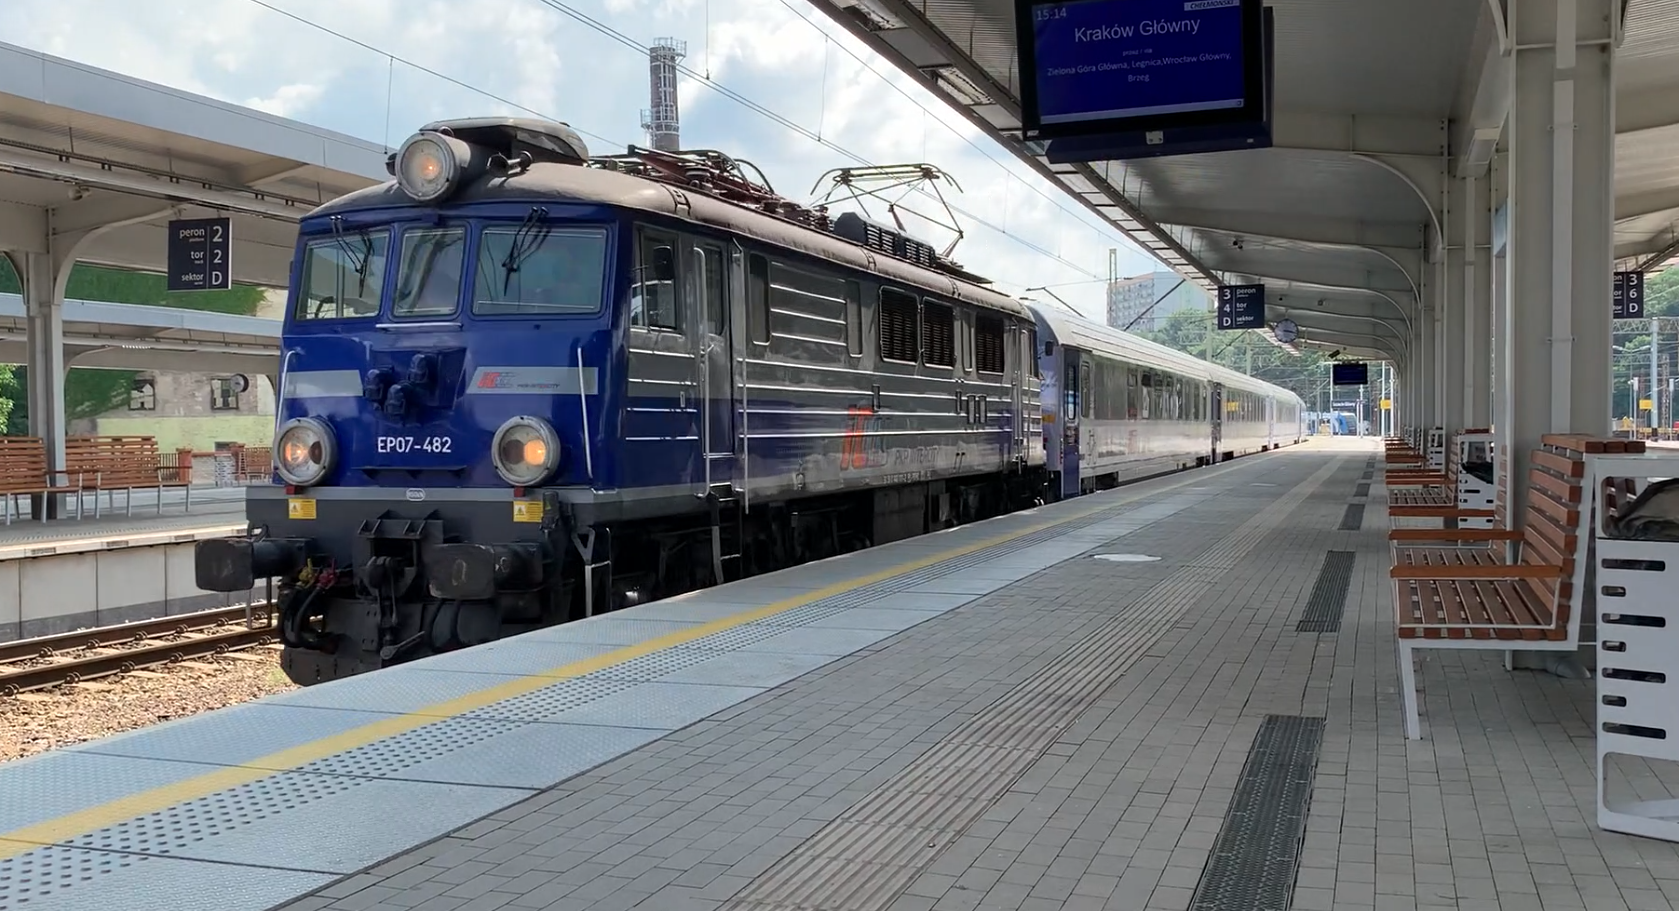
(713,305)
(1017,399)
(1075,400)
(1217,406)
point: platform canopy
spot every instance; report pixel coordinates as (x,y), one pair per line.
(84,150)
(139,337)
(1378,106)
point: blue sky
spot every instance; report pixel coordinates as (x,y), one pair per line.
(781,54)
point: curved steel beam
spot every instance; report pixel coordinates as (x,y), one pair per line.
(1390,167)
(1356,342)
(1333,245)
(1332,314)
(1341,289)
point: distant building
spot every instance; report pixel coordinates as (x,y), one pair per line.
(200,411)
(203,411)
(1128,297)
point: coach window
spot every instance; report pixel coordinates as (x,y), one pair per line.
(989,356)
(758,298)
(653,303)
(938,335)
(1032,351)
(854,319)
(897,323)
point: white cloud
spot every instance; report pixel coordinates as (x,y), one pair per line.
(289,100)
(787,57)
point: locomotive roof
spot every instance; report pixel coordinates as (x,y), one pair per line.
(574,183)
(1080,332)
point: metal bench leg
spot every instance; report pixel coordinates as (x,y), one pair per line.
(9,505)
(1408,691)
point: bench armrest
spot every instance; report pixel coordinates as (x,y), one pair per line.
(1474,573)
(66,474)
(1453,534)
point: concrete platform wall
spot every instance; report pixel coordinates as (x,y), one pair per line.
(61,592)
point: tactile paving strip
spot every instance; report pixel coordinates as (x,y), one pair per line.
(1328,601)
(1353,518)
(1255,858)
(874,850)
(186,829)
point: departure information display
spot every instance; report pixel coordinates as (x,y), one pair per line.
(1102,60)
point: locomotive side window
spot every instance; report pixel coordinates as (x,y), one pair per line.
(898,338)
(938,334)
(428,281)
(343,277)
(521,271)
(854,319)
(653,301)
(715,302)
(758,298)
(989,356)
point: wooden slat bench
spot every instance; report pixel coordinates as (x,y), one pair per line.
(24,472)
(1497,588)
(111,463)
(253,464)
(1429,499)
(1422,476)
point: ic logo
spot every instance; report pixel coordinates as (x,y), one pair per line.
(490,380)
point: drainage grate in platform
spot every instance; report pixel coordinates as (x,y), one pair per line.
(1353,518)
(1362,490)
(1328,600)
(1257,854)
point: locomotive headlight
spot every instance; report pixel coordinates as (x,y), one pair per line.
(525,451)
(304,451)
(427,167)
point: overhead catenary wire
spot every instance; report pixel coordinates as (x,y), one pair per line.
(702,79)
(632,43)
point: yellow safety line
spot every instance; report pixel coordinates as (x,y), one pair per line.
(94,818)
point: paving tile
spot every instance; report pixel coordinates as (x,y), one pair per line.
(1121,806)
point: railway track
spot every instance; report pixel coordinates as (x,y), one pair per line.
(33,664)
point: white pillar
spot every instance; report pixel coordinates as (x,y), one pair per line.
(1476,312)
(1561,164)
(1424,352)
(1450,372)
(43,295)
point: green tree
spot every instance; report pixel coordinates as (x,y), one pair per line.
(1244,352)
(88,392)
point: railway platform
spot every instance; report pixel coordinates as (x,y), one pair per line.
(70,574)
(1113,702)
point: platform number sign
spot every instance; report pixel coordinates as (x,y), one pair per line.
(1241,307)
(1629,295)
(201,254)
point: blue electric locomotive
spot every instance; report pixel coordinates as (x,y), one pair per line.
(520,385)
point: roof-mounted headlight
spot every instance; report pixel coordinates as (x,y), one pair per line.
(304,451)
(525,451)
(429,166)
